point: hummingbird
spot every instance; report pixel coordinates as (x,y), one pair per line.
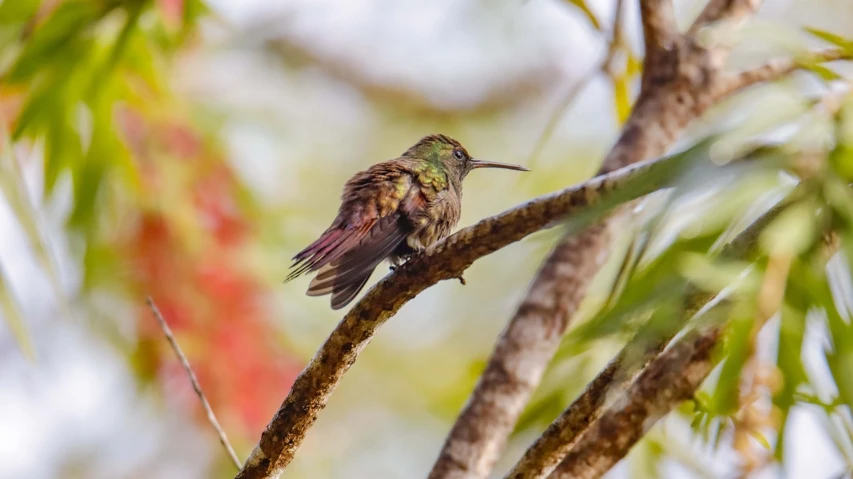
(391,210)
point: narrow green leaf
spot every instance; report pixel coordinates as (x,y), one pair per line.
(13,187)
(14,318)
(69,21)
(832,38)
(725,398)
(582,6)
(824,72)
(792,330)
(622,97)
(17,11)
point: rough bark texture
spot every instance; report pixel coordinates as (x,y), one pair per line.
(775,69)
(572,425)
(671,378)
(447,260)
(521,354)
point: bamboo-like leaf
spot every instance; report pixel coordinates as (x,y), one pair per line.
(68,22)
(582,6)
(726,397)
(13,317)
(622,97)
(832,38)
(841,157)
(792,330)
(17,11)
(826,73)
(13,187)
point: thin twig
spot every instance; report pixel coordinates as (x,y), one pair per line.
(775,69)
(167,331)
(735,11)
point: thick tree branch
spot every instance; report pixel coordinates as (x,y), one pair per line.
(446,260)
(167,331)
(671,378)
(724,11)
(775,69)
(564,434)
(659,29)
(661,39)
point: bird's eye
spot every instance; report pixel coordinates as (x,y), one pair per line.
(458,154)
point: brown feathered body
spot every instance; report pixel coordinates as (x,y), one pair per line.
(389,211)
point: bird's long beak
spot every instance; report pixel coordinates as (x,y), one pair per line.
(495,164)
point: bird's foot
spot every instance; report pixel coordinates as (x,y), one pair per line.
(461,279)
(393,267)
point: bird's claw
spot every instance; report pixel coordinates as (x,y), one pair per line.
(461,279)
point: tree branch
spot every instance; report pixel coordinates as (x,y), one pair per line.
(661,39)
(724,11)
(446,260)
(659,29)
(167,331)
(671,378)
(775,69)
(566,433)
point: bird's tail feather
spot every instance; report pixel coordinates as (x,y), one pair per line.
(346,275)
(344,296)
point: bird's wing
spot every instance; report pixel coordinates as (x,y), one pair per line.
(360,261)
(369,226)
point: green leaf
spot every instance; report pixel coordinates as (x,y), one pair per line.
(792,232)
(622,97)
(725,398)
(581,4)
(841,157)
(792,329)
(824,72)
(14,318)
(761,439)
(67,23)
(13,186)
(17,11)
(829,37)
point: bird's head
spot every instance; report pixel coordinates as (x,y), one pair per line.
(448,155)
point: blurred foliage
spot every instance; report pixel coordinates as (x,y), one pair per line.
(796,285)
(155,207)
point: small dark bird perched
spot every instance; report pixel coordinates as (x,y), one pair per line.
(391,210)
